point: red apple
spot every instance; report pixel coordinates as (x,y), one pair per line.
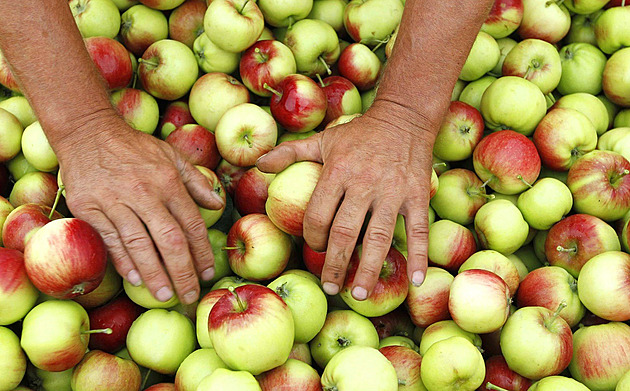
(298,104)
(185,23)
(360,65)
(139,109)
(6,75)
(175,115)
(112,60)
(450,245)
(66,258)
(17,293)
(250,194)
(428,303)
(100,371)
(504,18)
(107,290)
(141,26)
(117,315)
(34,188)
(162,387)
(546,20)
(23,222)
(229,175)
(342,96)
(499,374)
(266,62)
(407,364)
(292,375)
(460,132)
(394,324)
(313,260)
(197,144)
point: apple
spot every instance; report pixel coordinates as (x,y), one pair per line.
(606,343)
(292,375)
(224,379)
(546,20)
(142,26)
(11,132)
(109,288)
(452,363)
(500,226)
(552,383)
(34,188)
(373,21)
(585,6)
(545,203)
(482,58)
(313,260)
(428,303)
(280,13)
(450,244)
(117,315)
(611,29)
(289,194)
(505,46)
(407,364)
(13,361)
(203,312)
(500,375)
(504,18)
(460,132)
(198,365)
(212,95)
(360,65)
(7,78)
(472,93)
(37,149)
(537,61)
(21,109)
(22,223)
(614,82)
(233,25)
(197,144)
(314,44)
(239,318)
(459,196)
(496,263)
(162,387)
(442,330)
(218,240)
(394,324)
(582,69)
(342,96)
(96,18)
(176,114)
(100,371)
(588,105)
(212,58)
(210,217)
(622,119)
(583,28)
(229,175)
(40,379)
(141,295)
(266,62)
(331,12)
(138,108)
(185,23)
(112,60)
(250,194)
(360,368)
(230,281)
(17,293)
(624,382)
(502,102)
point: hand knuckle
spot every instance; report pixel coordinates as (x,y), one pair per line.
(379,236)
(370,269)
(344,234)
(315,220)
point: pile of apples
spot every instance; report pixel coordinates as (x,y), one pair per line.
(529,280)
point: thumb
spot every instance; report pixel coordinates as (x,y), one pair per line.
(289,152)
(199,182)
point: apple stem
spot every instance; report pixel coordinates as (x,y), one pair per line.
(328,71)
(566,250)
(321,82)
(146,378)
(230,248)
(490,386)
(381,43)
(524,181)
(244,5)
(143,61)
(250,143)
(57,197)
(617,177)
(439,165)
(238,299)
(98,331)
(561,306)
(272,90)
(551,98)
(483,185)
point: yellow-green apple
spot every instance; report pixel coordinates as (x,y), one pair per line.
(238,321)
(535,60)
(212,58)
(142,26)
(230,281)
(610,300)
(20,108)
(175,115)
(283,13)
(250,194)
(407,364)
(7,79)
(505,46)
(459,196)
(373,21)
(212,216)
(233,25)
(611,29)
(460,132)
(611,107)
(111,59)
(397,340)
(138,108)
(563,136)
(428,303)
(342,96)
(17,293)
(245,133)
(266,62)
(615,80)
(479,301)
(142,296)
(22,223)
(496,263)
(393,324)
(34,188)
(622,119)
(548,287)
(442,330)
(546,348)
(601,355)
(307,303)
(585,6)
(11,133)
(360,65)
(289,193)
(500,226)
(108,289)
(160,340)
(367,97)
(600,185)
(482,58)
(212,95)
(625,232)
(331,12)
(225,379)
(203,314)
(198,365)
(37,150)
(545,203)
(582,69)
(100,371)
(292,375)
(66,258)
(5,209)
(117,315)
(473,91)
(359,368)
(185,23)
(450,244)
(256,249)
(313,260)
(528,256)
(96,18)
(197,144)
(12,360)
(500,375)
(168,69)
(507,161)
(452,364)
(42,380)
(502,105)
(583,28)
(546,20)
(504,18)
(624,382)
(315,45)
(588,105)
(342,329)
(302,352)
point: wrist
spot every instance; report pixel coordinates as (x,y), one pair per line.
(420,121)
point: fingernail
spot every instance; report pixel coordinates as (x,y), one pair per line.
(190,297)
(164,294)
(217,198)
(417,278)
(134,278)
(207,274)
(359,293)
(258,160)
(330,288)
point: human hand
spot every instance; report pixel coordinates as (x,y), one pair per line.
(379,162)
(138,193)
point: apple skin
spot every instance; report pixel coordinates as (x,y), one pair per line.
(582,69)
(407,364)
(266,62)
(299,105)
(360,368)
(450,244)
(588,105)
(203,313)
(611,29)
(369,22)
(197,144)
(106,290)
(198,365)
(212,95)
(233,25)
(600,185)
(302,352)
(34,188)
(117,315)
(315,45)
(482,58)
(139,109)
(496,263)
(22,223)
(282,13)
(595,345)
(542,20)
(7,79)
(624,382)
(394,324)
(360,65)
(545,203)
(313,260)
(142,26)
(614,82)
(37,149)
(225,379)
(292,375)
(459,196)
(141,295)
(185,22)
(553,383)
(618,139)
(342,96)
(175,115)
(100,371)
(96,17)
(472,93)
(460,132)
(502,157)
(112,60)
(576,239)
(504,18)
(331,12)
(537,61)
(20,108)
(453,363)
(250,194)
(13,361)
(212,58)
(428,303)
(162,387)
(17,293)
(499,374)
(500,226)
(445,329)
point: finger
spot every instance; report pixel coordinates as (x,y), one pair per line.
(140,247)
(376,243)
(199,186)
(343,238)
(417,227)
(290,152)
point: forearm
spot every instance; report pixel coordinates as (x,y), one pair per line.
(40,40)
(432,45)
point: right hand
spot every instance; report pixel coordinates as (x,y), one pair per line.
(142,197)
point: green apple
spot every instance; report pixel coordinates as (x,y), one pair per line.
(371,22)
(459,197)
(143,297)
(555,383)
(474,90)
(141,26)
(442,330)
(203,314)
(496,263)
(212,58)
(616,80)
(612,109)
(331,12)
(397,340)
(37,150)
(315,46)
(428,303)
(224,379)
(505,45)
(457,90)
(11,135)
(360,368)
(12,360)
(622,119)
(211,216)
(49,381)
(139,109)
(452,364)
(233,25)
(284,13)
(545,203)
(218,240)
(500,226)
(624,382)
(125,4)
(96,18)
(582,69)
(588,105)
(616,140)
(449,244)
(528,256)
(198,365)
(100,371)
(160,340)
(212,95)
(519,264)
(585,6)
(20,108)
(543,19)
(537,61)
(583,29)
(612,29)
(483,57)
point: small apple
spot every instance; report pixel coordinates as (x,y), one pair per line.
(360,65)
(34,188)
(142,26)
(292,375)
(545,203)
(11,132)
(546,20)
(331,12)
(496,263)
(537,61)
(12,360)
(460,132)
(117,315)
(450,244)
(100,371)
(504,18)
(588,105)
(197,144)
(315,46)
(442,330)
(428,303)
(21,109)
(138,108)
(185,23)
(198,365)
(483,57)
(212,58)
(37,149)
(452,363)
(582,69)
(298,104)
(106,290)
(22,223)
(266,62)
(342,96)
(112,60)
(250,194)
(611,29)
(360,368)
(500,226)
(372,22)
(96,18)
(459,196)
(614,82)
(233,25)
